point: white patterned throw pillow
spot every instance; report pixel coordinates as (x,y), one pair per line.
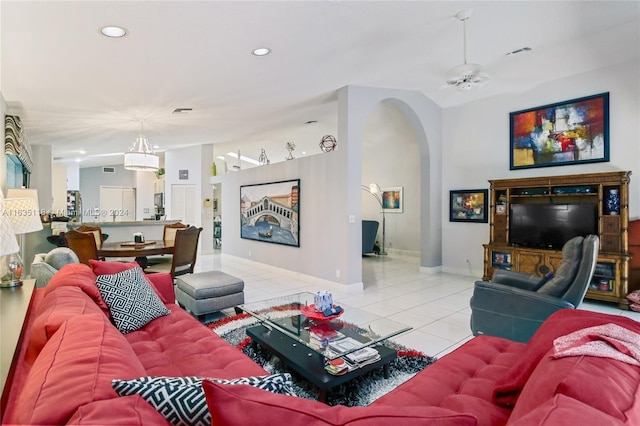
(131,300)
(181,400)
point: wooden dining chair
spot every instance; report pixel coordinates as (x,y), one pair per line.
(95,230)
(83,245)
(163,261)
(170,230)
(185,250)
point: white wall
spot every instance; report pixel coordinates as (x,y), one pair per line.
(59,189)
(144,195)
(73,177)
(322,217)
(330,192)
(91,178)
(41,175)
(197,160)
(476,149)
(426,119)
(391,158)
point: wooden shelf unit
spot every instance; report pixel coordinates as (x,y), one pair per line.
(611,280)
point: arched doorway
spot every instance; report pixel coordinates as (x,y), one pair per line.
(391,159)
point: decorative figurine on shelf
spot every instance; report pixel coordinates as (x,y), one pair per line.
(613,202)
(263,160)
(328,143)
(290,147)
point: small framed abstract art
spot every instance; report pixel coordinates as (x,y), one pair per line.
(392,201)
(468,205)
(569,132)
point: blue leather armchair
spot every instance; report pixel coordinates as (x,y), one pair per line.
(513,305)
(369,234)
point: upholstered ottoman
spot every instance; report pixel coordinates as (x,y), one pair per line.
(205,292)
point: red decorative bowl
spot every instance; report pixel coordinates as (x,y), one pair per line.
(311,313)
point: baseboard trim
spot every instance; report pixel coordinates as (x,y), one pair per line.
(459,271)
(431,269)
(354,288)
(401,252)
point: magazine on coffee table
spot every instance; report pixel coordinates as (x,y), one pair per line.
(358,358)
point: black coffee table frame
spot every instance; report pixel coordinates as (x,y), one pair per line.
(310,364)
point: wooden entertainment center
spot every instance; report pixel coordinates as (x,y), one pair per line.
(611,278)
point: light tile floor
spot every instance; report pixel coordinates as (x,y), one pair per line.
(435,305)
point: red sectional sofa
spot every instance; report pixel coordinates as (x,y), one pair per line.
(71,351)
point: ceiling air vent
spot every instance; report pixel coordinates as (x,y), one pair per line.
(108,170)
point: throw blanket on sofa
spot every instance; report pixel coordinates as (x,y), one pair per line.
(604,341)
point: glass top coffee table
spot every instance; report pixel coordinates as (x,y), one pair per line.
(325,351)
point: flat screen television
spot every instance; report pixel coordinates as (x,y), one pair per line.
(550,225)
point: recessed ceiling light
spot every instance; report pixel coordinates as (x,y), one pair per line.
(113,31)
(261,51)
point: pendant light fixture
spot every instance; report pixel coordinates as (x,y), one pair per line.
(140,156)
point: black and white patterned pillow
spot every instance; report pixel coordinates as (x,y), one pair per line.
(181,400)
(131,300)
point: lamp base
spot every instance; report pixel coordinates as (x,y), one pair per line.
(10,284)
(11,268)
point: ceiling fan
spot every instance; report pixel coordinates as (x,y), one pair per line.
(466,76)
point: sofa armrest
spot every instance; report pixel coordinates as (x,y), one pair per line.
(41,271)
(510,312)
(516,279)
(514,300)
(164,284)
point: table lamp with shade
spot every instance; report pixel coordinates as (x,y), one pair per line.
(21,208)
(8,249)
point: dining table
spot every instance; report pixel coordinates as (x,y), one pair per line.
(133,249)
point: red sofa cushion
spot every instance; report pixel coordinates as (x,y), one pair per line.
(245,405)
(101,267)
(562,410)
(78,275)
(124,410)
(614,393)
(74,368)
(179,345)
(462,381)
(59,305)
(565,321)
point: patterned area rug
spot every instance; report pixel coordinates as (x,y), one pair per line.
(358,392)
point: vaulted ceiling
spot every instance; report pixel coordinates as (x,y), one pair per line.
(86,94)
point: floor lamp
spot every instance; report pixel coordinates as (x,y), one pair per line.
(22,210)
(8,249)
(376,192)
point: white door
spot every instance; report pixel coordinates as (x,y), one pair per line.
(184,205)
(117,204)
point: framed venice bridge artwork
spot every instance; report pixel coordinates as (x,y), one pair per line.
(270,212)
